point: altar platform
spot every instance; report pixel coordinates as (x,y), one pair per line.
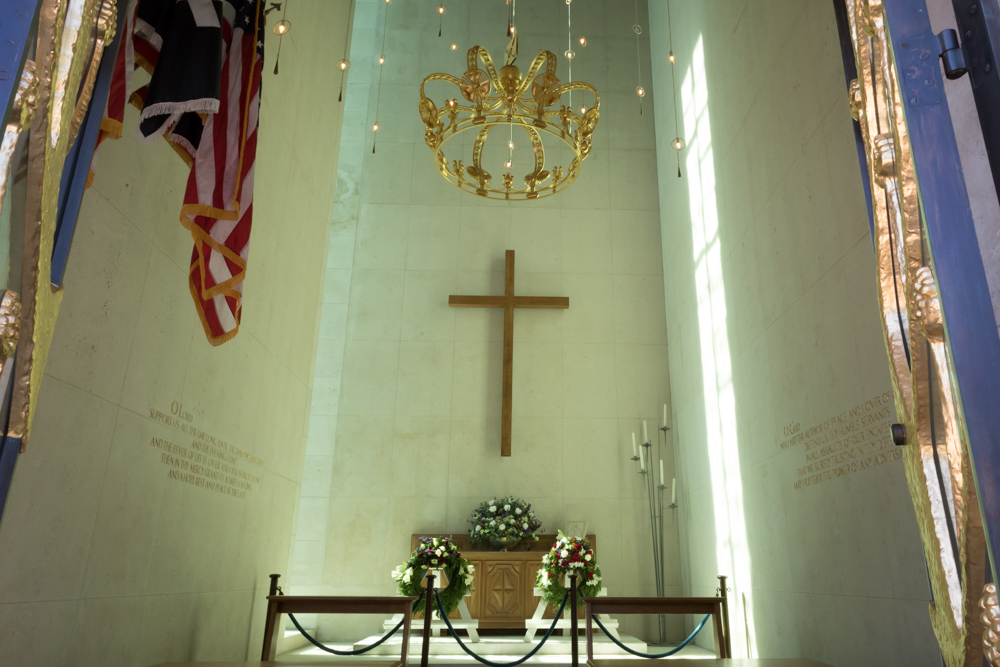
(499,648)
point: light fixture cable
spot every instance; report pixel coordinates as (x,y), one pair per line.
(345,64)
(637,29)
(281,35)
(381,62)
(678,143)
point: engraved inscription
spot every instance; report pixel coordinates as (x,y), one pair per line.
(851,441)
(203,460)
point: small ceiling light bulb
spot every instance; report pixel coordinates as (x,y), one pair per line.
(570,54)
(375,127)
(452,102)
(344,65)
(583,41)
(454,46)
(671,56)
(637,29)
(282,26)
(510,145)
(508,163)
(513,30)
(678,144)
(583,110)
(381,60)
(441,9)
(640,91)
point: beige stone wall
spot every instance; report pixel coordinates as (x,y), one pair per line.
(404,428)
(106,561)
(773,324)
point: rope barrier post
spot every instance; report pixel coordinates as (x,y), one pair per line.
(573,622)
(590,632)
(428,614)
(723,593)
(272,623)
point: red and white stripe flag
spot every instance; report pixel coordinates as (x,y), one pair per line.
(121,85)
(218,202)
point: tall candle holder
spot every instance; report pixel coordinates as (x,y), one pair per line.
(643,460)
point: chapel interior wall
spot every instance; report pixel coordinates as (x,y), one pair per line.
(774,336)
(405,420)
(106,560)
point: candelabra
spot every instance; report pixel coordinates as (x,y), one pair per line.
(643,460)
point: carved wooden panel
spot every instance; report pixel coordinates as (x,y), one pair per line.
(504,591)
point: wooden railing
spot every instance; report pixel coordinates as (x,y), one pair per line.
(308,604)
(716,607)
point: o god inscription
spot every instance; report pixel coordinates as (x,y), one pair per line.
(846,443)
(204,460)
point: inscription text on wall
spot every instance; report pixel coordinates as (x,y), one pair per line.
(204,460)
(851,441)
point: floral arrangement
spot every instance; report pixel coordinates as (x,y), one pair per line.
(506,518)
(435,553)
(569,555)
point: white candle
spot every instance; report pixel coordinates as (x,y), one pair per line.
(645,433)
(664,414)
(642,461)
(673,491)
(633,446)
(661,472)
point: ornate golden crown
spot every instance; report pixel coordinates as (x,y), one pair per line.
(503,100)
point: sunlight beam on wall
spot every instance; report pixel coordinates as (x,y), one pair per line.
(732,551)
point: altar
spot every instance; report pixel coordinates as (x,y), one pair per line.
(503,589)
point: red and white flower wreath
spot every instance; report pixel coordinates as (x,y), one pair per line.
(569,555)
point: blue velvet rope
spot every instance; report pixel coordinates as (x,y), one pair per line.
(489,663)
(334,651)
(672,651)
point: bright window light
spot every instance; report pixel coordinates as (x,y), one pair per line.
(732,552)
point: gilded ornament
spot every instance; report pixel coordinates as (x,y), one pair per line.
(991,624)
(927,306)
(21,113)
(10,325)
(521,104)
(68,31)
(936,460)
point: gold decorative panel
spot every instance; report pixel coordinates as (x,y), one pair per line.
(936,459)
(71,38)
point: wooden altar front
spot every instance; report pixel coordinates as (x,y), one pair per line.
(502,596)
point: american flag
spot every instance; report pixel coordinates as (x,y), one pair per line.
(121,84)
(218,202)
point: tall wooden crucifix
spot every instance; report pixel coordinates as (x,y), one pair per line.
(508,302)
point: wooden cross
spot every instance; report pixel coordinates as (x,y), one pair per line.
(508,302)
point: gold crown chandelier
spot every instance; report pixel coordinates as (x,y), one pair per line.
(530,104)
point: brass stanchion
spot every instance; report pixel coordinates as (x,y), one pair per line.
(574,643)
(428,614)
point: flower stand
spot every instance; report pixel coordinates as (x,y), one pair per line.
(463,622)
(536,622)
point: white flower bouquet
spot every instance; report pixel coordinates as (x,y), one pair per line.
(507,518)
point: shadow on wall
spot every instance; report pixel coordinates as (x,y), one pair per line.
(732,552)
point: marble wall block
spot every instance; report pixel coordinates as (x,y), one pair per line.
(416,443)
(107,560)
(772,326)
